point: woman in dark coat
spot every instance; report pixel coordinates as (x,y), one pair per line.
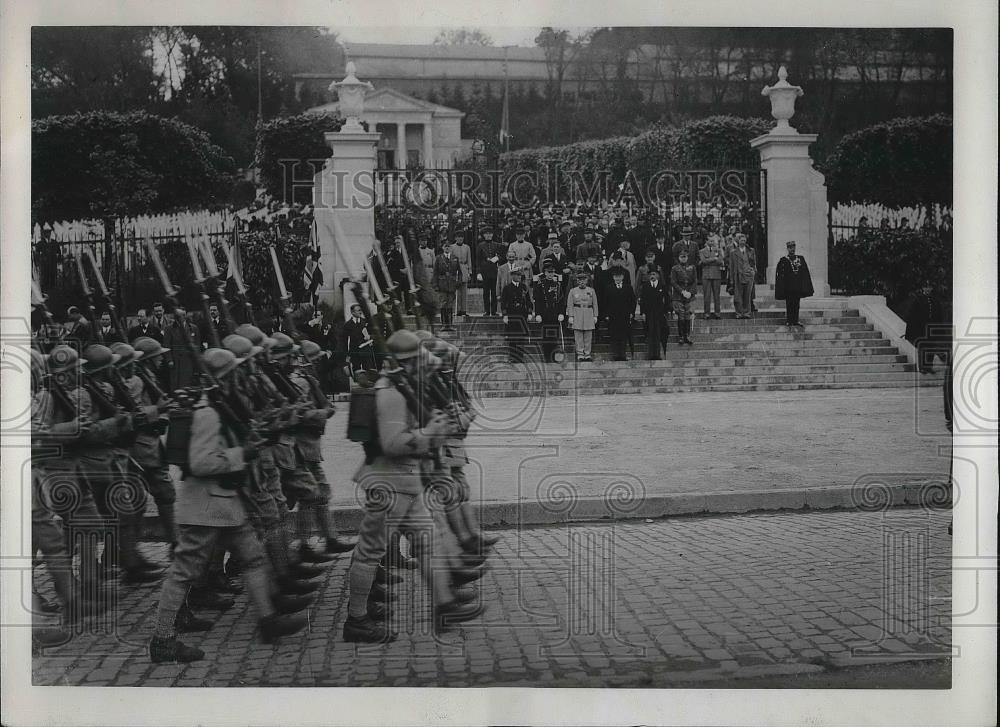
(792,282)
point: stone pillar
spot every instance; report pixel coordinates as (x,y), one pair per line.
(344,194)
(400,145)
(343,203)
(796,192)
(428,139)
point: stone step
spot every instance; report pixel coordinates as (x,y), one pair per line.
(535,387)
(684,362)
(587,374)
(839,349)
(906,381)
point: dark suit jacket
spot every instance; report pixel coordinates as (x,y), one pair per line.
(150,330)
(653,301)
(515,300)
(354,338)
(107,337)
(447,273)
(486,250)
(620,307)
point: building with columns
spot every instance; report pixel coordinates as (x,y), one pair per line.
(412,132)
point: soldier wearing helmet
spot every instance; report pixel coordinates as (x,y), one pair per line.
(392,478)
(211,512)
(148,449)
(308,435)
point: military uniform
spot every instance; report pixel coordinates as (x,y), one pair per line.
(548,300)
(582,313)
(515,302)
(683,279)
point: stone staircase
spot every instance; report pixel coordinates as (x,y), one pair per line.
(837,349)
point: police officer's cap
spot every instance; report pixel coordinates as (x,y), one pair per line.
(240,346)
(403,345)
(64,358)
(219,362)
(250,331)
(127,353)
(149,346)
(99,358)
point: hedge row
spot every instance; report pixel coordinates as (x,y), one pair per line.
(104,164)
(291,149)
(717,142)
(897,163)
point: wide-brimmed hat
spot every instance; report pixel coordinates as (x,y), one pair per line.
(98,358)
(128,353)
(63,358)
(219,362)
(149,347)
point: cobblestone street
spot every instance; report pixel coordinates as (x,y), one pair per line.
(674,602)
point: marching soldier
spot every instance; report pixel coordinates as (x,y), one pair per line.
(308,434)
(108,467)
(392,480)
(54,480)
(210,510)
(148,450)
(548,298)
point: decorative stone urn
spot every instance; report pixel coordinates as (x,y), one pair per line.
(782,96)
(351,93)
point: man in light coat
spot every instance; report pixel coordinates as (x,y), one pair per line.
(462,253)
(523,250)
(582,314)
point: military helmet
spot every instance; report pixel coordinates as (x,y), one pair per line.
(220,362)
(64,358)
(281,345)
(240,346)
(149,347)
(99,358)
(311,350)
(403,345)
(127,353)
(250,331)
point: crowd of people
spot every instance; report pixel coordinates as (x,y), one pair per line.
(622,267)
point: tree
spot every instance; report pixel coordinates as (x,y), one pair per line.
(463,36)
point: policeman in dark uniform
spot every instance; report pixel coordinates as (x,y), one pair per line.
(515,302)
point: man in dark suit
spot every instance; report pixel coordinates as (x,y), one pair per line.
(447,277)
(620,302)
(144,327)
(78,329)
(653,305)
(358,342)
(927,329)
(106,333)
(183,339)
(213,322)
(664,256)
(490,256)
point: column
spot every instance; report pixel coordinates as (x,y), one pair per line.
(428,145)
(343,204)
(400,145)
(796,203)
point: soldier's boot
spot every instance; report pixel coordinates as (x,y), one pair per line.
(482,540)
(137,570)
(199,597)
(286,580)
(366,630)
(187,622)
(48,637)
(324,518)
(167,649)
(304,519)
(74,605)
(384,577)
(453,612)
(286,603)
(277,625)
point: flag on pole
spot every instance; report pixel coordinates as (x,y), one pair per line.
(505,114)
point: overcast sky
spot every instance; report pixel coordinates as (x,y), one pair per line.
(419,35)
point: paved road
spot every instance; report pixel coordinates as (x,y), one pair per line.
(693,442)
(675,602)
